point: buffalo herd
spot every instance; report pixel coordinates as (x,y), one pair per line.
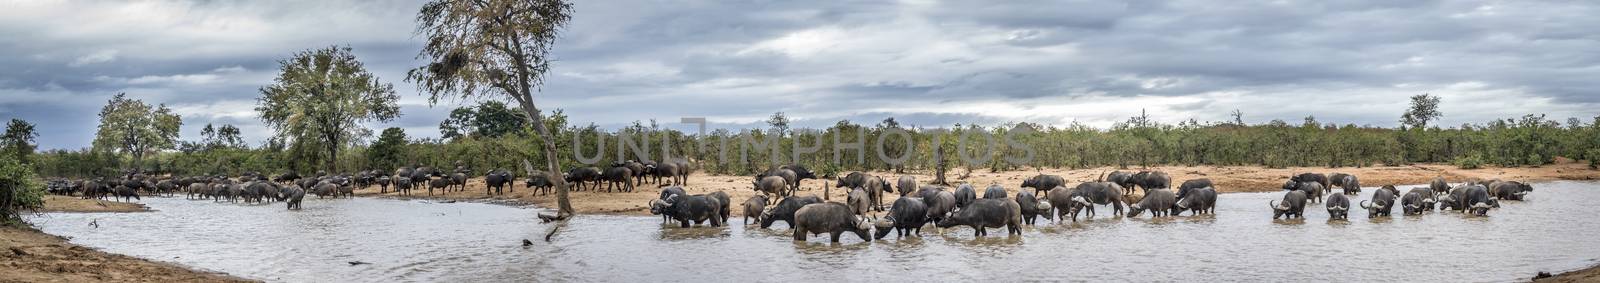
(863,211)
(1054,199)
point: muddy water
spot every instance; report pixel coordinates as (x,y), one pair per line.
(412,240)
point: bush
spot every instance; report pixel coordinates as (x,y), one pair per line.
(1594,158)
(19,190)
(1469,162)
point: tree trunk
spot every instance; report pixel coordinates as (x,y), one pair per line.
(564,206)
(938,160)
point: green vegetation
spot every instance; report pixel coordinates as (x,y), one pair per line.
(18,141)
(1529,140)
(319,102)
(129,126)
(1469,162)
(19,190)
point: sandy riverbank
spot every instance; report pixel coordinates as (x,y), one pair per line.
(55,203)
(27,255)
(1227,178)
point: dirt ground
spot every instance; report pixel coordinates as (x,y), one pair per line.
(1227,179)
(55,203)
(1591,274)
(27,255)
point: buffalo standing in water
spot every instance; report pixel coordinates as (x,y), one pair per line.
(1293,205)
(1478,201)
(965,195)
(1338,207)
(1383,203)
(1313,190)
(1198,201)
(1311,177)
(906,216)
(1124,179)
(1158,201)
(668,192)
(753,207)
(830,217)
(1089,194)
(1032,207)
(292,195)
(994,191)
(695,209)
(987,213)
(785,210)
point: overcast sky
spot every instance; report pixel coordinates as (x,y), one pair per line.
(926,63)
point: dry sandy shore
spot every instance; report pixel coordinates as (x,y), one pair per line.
(1591,274)
(1227,179)
(27,255)
(55,203)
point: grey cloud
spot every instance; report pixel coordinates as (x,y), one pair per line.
(1050,62)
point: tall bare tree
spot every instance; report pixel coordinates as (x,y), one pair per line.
(321,98)
(496,48)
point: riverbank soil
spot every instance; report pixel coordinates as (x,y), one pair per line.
(55,203)
(1591,274)
(1228,179)
(27,255)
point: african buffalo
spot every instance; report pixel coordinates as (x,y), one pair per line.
(1338,207)
(1158,201)
(1293,205)
(1042,184)
(832,218)
(906,216)
(987,213)
(785,209)
(1199,201)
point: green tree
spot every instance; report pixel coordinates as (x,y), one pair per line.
(458,124)
(18,141)
(493,119)
(322,97)
(1424,108)
(494,47)
(19,190)
(385,152)
(490,119)
(132,127)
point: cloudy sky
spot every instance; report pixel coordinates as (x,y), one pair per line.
(926,63)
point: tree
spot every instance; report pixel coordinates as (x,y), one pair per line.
(132,127)
(322,97)
(385,152)
(490,119)
(459,124)
(19,190)
(494,47)
(18,141)
(493,119)
(779,122)
(1424,108)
